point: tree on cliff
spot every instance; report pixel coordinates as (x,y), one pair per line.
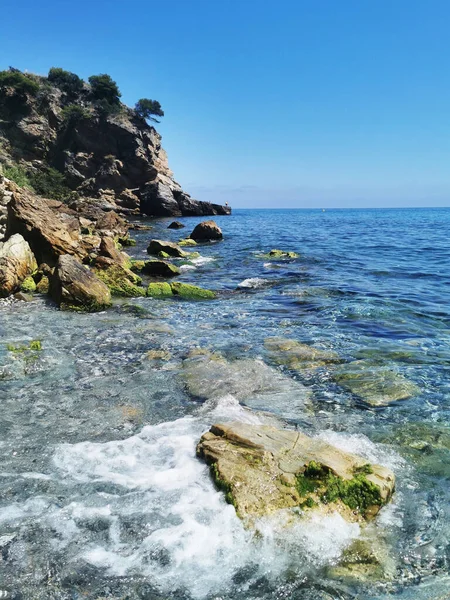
(68,82)
(105,91)
(146,108)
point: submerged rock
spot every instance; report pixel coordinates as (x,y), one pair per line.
(170,248)
(160,268)
(187,242)
(206,231)
(17,263)
(280,254)
(376,385)
(263,469)
(75,287)
(298,356)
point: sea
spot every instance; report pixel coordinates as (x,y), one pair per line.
(101,493)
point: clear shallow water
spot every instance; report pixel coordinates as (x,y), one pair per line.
(101,493)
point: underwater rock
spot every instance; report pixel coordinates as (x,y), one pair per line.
(367,560)
(376,385)
(17,263)
(157,246)
(160,268)
(176,225)
(75,287)
(263,469)
(298,356)
(277,254)
(206,231)
(191,292)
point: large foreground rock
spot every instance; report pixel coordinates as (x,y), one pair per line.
(206,231)
(263,469)
(17,262)
(49,234)
(75,287)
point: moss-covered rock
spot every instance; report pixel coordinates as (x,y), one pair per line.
(187,242)
(191,292)
(264,469)
(279,254)
(121,281)
(43,285)
(160,268)
(127,241)
(157,246)
(136,265)
(28,285)
(159,290)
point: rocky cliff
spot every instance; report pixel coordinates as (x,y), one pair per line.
(65,145)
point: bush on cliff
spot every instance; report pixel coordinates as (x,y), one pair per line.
(52,184)
(146,108)
(68,82)
(73,113)
(21,84)
(17,174)
(103,87)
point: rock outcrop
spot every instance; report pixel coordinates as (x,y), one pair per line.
(263,469)
(111,158)
(17,263)
(157,246)
(75,287)
(206,231)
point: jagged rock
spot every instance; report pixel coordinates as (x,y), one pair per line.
(160,268)
(75,287)
(109,250)
(376,385)
(47,232)
(17,262)
(112,223)
(176,225)
(157,246)
(263,469)
(206,231)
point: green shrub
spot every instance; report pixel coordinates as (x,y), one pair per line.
(73,113)
(17,174)
(104,88)
(146,108)
(22,84)
(52,184)
(68,82)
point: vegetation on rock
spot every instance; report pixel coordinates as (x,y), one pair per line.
(146,108)
(68,82)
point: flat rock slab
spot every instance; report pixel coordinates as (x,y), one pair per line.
(298,356)
(263,469)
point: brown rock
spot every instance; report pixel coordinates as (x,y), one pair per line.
(16,264)
(205,231)
(74,286)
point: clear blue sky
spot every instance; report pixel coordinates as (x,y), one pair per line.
(289,103)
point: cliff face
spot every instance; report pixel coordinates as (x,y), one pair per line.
(113,161)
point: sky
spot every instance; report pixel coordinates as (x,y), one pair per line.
(302,103)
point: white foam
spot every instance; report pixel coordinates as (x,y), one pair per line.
(253,282)
(202,260)
(187,268)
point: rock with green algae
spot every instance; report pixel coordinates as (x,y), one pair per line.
(43,285)
(170,248)
(28,285)
(280,254)
(298,356)
(191,292)
(367,559)
(160,268)
(136,265)
(265,469)
(75,287)
(159,290)
(376,385)
(187,242)
(121,281)
(163,254)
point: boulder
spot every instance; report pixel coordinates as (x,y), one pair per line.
(376,385)
(160,268)
(206,231)
(157,246)
(108,249)
(263,469)
(47,232)
(120,280)
(74,286)
(176,225)
(111,223)
(159,290)
(17,262)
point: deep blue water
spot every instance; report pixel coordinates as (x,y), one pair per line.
(100,487)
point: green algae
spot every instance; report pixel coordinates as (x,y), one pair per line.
(191,292)
(136,265)
(222,485)
(159,290)
(277,254)
(121,281)
(187,242)
(28,285)
(34,345)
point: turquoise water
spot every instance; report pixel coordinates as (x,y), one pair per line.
(101,495)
